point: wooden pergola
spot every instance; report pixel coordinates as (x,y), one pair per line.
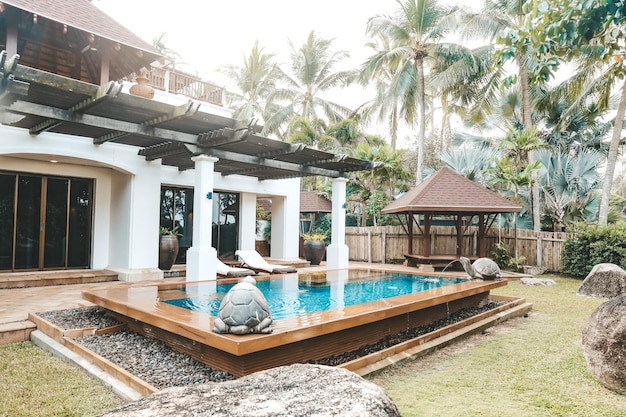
(449,194)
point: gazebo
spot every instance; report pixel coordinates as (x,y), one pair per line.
(449,194)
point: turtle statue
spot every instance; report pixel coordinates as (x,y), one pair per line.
(243,310)
(484,268)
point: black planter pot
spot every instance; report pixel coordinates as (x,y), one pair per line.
(168,250)
(314,251)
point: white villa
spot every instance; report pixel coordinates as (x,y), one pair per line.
(89,172)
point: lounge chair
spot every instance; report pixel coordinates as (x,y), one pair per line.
(252,260)
(231,271)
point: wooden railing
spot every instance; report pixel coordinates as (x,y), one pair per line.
(185,84)
(388,244)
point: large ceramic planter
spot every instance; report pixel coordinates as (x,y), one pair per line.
(314,251)
(168,250)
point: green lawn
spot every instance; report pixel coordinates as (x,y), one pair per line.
(530,366)
(527,367)
(34,383)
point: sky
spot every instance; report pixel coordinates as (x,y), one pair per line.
(208,34)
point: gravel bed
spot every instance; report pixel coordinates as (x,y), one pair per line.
(159,365)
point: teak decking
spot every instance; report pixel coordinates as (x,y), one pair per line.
(297,339)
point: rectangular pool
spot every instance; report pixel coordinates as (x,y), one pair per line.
(295,295)
(295,339)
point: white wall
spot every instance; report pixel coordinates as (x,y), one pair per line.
(127,197)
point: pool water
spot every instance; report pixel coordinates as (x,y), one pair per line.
(293,295)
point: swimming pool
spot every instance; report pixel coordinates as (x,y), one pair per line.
(290,296)
(310,336)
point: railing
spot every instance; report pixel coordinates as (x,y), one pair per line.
(185,84)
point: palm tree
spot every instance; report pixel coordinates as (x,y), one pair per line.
(312,73)
(595,81)
(495,18)
(374,189)
(385,106)
(412,32)
(256,79)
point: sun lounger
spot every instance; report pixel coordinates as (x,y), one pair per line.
(252,260)
(231,271)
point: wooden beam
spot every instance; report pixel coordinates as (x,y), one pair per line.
(34,75)
(105,92)
(163,150)
(272,163)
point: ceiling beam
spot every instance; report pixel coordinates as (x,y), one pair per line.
(105,92)
(163,150)
(271,163)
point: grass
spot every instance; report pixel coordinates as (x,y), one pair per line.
(527,367)
(36,384)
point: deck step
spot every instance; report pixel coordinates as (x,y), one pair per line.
(17,331)
(45,278)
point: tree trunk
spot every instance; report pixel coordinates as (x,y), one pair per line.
(394,127)
(528,123)
(611,159)
(421,119)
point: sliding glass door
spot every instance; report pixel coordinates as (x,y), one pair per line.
(45,222)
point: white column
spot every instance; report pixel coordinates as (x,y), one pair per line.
(337,251)
(247,221)
(201,256)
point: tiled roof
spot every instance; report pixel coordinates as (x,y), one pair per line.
(83,15)
(449,192)
(312,202)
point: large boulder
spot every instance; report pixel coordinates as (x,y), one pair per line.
(604,281)
(295,390)
(604,337)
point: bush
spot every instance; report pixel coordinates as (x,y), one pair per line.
(503,257)
(591,245)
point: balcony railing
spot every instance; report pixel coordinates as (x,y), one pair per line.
(185,84)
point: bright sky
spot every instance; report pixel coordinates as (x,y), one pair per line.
(210,34)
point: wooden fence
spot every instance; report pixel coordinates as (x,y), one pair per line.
(388,244)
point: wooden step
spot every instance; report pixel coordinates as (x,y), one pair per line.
(45,278)
(17,331)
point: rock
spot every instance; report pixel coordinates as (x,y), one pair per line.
(603,344)
(537,281)
(295,390)
(605,280)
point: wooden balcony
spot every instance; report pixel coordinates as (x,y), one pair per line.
(185,84)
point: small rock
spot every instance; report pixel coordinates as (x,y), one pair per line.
(537,281)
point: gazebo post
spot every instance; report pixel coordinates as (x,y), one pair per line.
(482,247)
(459,235)
(409,220)
(426,239)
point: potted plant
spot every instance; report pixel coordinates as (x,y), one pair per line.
(314,248)
(168,247)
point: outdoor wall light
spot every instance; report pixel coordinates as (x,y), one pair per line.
(209,195)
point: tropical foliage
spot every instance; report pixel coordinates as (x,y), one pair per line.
(543,143)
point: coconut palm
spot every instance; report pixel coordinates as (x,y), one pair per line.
(256,79)
(413,31)
(509,17)
(312,72)
(595,81)
(374,189)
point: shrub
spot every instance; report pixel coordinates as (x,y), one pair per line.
(591,245)
(503,257)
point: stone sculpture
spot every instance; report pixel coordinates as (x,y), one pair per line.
(244,310)
(484,268)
